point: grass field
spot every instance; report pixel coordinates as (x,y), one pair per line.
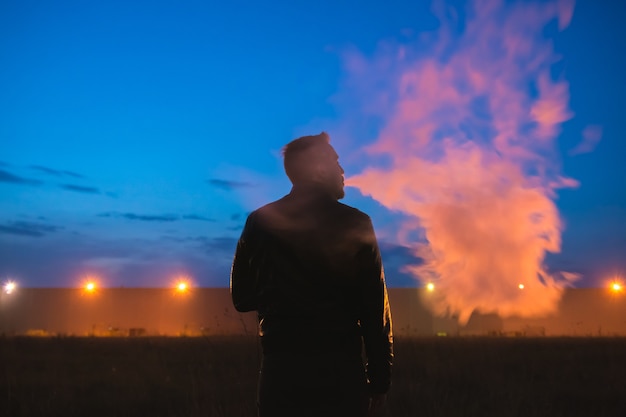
(216,376)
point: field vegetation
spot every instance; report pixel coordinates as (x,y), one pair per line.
(216,376)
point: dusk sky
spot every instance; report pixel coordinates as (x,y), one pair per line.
(135,137)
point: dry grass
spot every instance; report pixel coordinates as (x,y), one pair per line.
(216,376)
(510,377)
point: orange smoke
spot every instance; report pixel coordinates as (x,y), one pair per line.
(467,141)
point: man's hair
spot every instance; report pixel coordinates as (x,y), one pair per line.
(303,154)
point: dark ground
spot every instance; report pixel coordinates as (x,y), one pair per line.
(216,376)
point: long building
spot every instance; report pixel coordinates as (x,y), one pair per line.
(209,311)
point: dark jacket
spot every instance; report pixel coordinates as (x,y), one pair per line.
(310,266)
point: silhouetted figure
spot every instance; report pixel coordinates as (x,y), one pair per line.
(310,266)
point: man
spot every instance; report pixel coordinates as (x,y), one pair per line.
(310,266)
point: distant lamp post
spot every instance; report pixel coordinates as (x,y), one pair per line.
(430,287)
(521,286)
(9,287)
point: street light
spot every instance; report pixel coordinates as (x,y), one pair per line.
(9,287)
(430,287)
(90,286)
(182,286)
(616,287)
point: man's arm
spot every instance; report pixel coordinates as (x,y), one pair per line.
(375,316)
(243,277)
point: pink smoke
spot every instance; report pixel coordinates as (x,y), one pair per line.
(469,120)
(591,136)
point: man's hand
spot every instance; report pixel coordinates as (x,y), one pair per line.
(377,402)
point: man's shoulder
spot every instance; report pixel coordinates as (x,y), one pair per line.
(286,199)
(267,208)
(284,204)
(353,211)
(266,212)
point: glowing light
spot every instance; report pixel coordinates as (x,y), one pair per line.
(430,287)
(616,286)
(521,286)
(90,286)
(182,286)
(9,287)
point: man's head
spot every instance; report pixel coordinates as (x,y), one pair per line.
(310,160)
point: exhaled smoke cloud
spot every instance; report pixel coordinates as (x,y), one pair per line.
(469,116)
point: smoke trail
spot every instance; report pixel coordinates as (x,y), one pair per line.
(469,116)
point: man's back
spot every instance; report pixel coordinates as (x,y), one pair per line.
(313,257)
(311,268)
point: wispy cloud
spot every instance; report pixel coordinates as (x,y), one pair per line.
(30,229)
(150,218)
(142,217)
(197,217)
(55,172)
(156,217)
(228,184)
(6,176)
(176,239)
(215,247)
(80,189)
(221,244)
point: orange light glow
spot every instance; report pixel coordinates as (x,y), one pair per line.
(90,286)
(9,287)
(521,286)
(617,286)
(182,286)
(430,287)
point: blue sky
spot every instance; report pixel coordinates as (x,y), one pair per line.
(136,136)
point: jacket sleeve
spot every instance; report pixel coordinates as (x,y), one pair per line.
(375,317)
(243,277)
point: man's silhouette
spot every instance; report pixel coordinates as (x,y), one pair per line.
(310,266)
